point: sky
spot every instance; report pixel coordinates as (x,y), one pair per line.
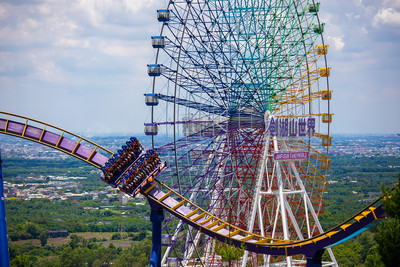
(81,64)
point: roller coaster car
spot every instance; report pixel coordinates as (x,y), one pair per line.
(131,169)
(136,172)
(148,181)
(117,164)
(116,176)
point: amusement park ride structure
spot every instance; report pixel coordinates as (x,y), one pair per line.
(162,196)
(240,110)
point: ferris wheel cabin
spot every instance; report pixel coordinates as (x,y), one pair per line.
(325,164)
(151,99)
(163,15)
(324,72)
(326,140)
(158,41)
(326,95)
(322,49)
(154,69)
(319,28)
(327,118)
(313,8)
(150,129)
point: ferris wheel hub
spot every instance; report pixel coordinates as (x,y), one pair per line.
(267,114)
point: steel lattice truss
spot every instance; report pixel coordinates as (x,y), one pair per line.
(227,63)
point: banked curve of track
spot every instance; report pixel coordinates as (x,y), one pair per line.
(212,226)
(164,196)
(54,137)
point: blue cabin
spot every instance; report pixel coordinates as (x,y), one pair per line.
(151,99)
(150,129)
(154,69)
(163,15)
(158,41)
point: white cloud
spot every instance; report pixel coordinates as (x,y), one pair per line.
(386,17)
(92,10)
(364,30)
(44,9)
(391,3)
(358,2)
(117,50)
(47,72)
(351,16)
(336,42)
(72,43)
(42,67)
(137,5)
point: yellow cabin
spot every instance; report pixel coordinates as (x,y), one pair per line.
(322,49)
(323,187)
(326,140)
(325,164)
(327,118)
(324,72)
(326,95)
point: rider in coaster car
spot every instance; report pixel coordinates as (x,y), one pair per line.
(131,175)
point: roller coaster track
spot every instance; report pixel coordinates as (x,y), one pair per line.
(214,227)
(54,137)
(165,197)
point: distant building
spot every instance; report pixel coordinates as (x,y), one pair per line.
(105,207)
(123,199)
(367,200)
(55,234)
(105,201)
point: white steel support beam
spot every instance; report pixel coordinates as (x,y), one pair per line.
(257,197)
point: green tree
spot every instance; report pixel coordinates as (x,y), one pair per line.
(391,203)
(139,236)
(105,256)
(32,229)
(125,259)
(373,258)
(43,238)
(76,257)
(367,242)
(229,253)
(48,262)
(135,256)
(116,236)
(348,254)
(21,260)
(75,241)
(388,235)
(388,239)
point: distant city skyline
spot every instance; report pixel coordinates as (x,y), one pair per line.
(81,65)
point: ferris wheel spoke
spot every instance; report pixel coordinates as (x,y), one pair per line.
(194,105)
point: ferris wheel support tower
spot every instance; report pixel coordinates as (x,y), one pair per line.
(283,208)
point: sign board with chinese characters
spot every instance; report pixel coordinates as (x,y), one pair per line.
(291,127)
(282,156)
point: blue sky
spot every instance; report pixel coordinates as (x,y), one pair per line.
(81,65)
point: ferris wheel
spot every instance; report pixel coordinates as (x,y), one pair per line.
(240,109)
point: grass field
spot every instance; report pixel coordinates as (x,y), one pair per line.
(105,237)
